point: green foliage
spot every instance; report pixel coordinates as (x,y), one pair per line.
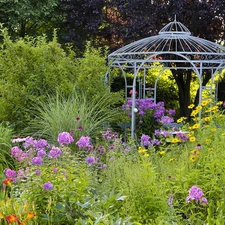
(6,134)
(67,113)
(29,17)
(31,69)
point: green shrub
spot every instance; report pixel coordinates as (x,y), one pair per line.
(31,69)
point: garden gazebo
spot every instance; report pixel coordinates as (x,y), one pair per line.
(174,48)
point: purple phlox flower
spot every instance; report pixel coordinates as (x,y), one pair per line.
(65,138)
(195,193)
(37,172)
(182,136)
(30,142)
(170,200)
(141,113)
(41,153)
(55,152)
(175,128)
(10,173)
(54,170)
(90,160)
(104,166)
(204,201)
(42,143)
(21,173)
(84,142)
(166,120)
(47,186)
(156,142)
(37,161)
(16,152)
(164,133)
(145,140)
(171,112)
(140,121)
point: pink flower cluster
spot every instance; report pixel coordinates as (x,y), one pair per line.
(195,193)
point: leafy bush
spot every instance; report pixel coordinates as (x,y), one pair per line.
(31,69)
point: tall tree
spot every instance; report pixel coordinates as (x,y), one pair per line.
(30,17)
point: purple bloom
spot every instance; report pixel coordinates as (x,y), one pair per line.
(10,173)
(84,142)
(55,170)
(80,128)
(65,138)
(16,152)
(30,142)
(195,193)
(41,144)
(104,166)
(55,152)
(47,186)
(182,136)
(170,200)
(166,120)
(145,140)
(37,172)
(90,160)
(204,201)
(41,153)
(37,161)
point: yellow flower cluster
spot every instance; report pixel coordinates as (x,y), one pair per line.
(143,150)
(194,155)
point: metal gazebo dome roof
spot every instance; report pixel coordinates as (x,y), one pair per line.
(174,38)
(174,48)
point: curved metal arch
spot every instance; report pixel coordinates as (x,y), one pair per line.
(210,55)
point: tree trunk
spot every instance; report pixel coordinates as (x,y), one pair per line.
(183,81)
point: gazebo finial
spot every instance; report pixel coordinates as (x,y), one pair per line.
(175,18)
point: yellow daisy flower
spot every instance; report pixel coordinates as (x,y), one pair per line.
(204,103)
(195,152)
(196,126)
(198,107)
(191,106)
(146,154)
(192,139)
(219,103)
(142,150)
(194,113)
(193,158)
(213,129)
(162,152)
(175,140)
